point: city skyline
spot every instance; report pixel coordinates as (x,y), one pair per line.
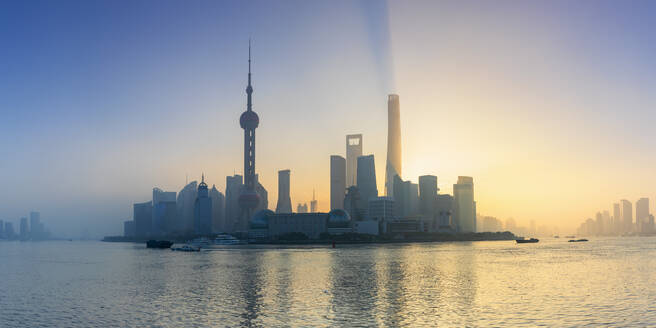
(80,145)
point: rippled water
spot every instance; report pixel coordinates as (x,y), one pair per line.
(609,282)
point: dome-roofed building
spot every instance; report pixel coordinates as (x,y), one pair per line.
(338,218)
(338,222)
(260,219)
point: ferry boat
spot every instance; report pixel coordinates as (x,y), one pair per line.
(226,239)
(186,248)
(527,241)
(158,244)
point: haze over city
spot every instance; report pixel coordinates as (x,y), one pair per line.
(547,105)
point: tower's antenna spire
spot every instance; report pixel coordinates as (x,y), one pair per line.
(202,178)
(249,88)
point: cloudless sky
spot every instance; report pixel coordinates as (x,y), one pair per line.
(548,105)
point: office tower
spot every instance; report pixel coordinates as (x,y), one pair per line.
(608,226)
(599,223)
(393,166)
(234,185)
(203,210)
(2,229)
(617,219)
(381,208)
(9,230)
(249,121)
(185,206)
(366,179)
(627,216)
(24,231)
(142,215)
(35,225)
(284,202)
(642,214)
(427,195)
(413,198)
(313,203)
(164,211)
(337,182)
(129,229)
(444,211)
(263,194)
(302,208)
(464,206)
(218,210)
(353,203)
(353,151)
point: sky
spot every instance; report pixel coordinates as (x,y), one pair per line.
(548,105)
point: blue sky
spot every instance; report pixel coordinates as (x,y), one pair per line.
(103,100)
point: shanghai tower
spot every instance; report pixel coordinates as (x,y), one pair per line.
(393,166)
(248,198)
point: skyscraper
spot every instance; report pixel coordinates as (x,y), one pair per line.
(313,203)
(218,210)
(337,182)
(284,202)
(35,225)
(164,211)
(234,184)
(302,208)
(427,195)
(249,121)
(24,230)
(642,214)
(203,210)
(185,208)
(353,151)
(464,205)
(366,181)
(393,166)
(142,215)
(617,219)
(627,216)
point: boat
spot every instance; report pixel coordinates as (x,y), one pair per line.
(577,240)
(186,248)
(158,244)
(526,241)
(226,239)
(200,242)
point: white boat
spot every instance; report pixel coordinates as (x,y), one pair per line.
(186,248)
(226,239)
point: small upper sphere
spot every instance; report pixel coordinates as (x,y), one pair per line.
(249,120)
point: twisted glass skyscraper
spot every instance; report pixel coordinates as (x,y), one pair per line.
(393,166)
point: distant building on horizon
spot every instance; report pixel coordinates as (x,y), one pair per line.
(464,205)
(164,211)
(393,166)
(627,216)
(313,203)
(232,209)
(353,151)
(24,230)
(642,214)
(302,208)
(185,208)
(284,200)
(337,182)
(203,210)
(218,210)
(36,226)
(142,216)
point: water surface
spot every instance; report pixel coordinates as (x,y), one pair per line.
(608,282)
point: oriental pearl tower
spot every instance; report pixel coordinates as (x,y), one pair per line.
(248,199)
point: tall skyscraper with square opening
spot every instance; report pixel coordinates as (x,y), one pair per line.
(353,151)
